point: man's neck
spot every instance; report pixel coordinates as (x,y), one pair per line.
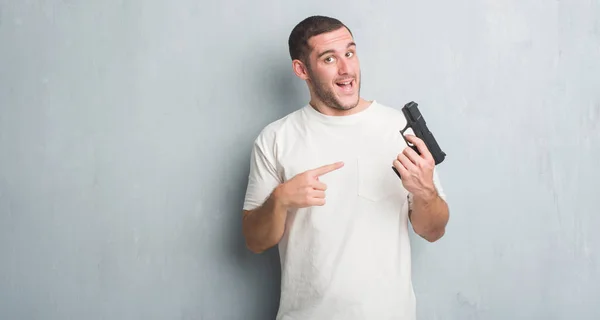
(329,111)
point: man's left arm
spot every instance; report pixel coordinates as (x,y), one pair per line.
(429,216)
(429,213)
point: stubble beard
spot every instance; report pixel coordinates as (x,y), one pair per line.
(328,97)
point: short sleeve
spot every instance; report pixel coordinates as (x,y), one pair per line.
(438,184)
(263,176)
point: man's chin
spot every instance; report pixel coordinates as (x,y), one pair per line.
(348,104)
(340,102)
(346,107)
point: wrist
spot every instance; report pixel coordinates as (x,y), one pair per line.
(278,197)
(426,195)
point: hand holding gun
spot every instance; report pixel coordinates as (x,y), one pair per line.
(415,121)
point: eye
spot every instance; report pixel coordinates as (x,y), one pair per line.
(329,59)
(349,54)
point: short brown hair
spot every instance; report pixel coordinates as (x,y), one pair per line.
(307,28)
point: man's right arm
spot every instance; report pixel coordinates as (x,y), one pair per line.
(263,220)
(264,226)
(269,197)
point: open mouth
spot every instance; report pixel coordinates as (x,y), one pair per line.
(346,85)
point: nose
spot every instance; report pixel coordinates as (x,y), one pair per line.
(342,66)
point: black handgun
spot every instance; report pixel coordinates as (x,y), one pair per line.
(415,121)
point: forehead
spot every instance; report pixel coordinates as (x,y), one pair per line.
(335,40)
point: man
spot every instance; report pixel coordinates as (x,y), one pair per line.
(321,187)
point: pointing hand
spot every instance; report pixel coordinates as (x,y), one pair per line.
(305,189)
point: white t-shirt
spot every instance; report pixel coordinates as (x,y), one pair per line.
(349,259)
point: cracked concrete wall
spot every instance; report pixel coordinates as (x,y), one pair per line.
(126,126)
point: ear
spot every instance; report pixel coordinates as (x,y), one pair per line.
(300,69)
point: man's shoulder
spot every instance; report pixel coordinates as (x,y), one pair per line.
(388,112)
(387,108)
(271,130)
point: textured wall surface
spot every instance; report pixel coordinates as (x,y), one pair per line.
(126,127)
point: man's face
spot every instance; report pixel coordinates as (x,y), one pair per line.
(334,70)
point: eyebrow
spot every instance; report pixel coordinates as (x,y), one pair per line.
(351,44)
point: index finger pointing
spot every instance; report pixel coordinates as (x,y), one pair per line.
(327,168)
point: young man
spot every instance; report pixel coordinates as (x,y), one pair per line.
(321,187)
